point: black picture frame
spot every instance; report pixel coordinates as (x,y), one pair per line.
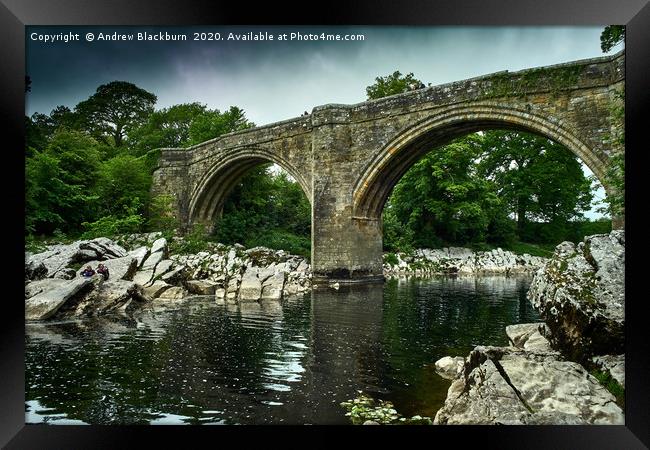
(16,14)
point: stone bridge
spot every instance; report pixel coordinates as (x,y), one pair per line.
(348,158)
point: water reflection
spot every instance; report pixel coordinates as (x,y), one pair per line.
(294,361)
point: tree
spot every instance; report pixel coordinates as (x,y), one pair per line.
(165,128)
(213,123)
(537,178)
(59,184)
(114,110)
(440,200)
(392,84)
(121,180)
(611,36)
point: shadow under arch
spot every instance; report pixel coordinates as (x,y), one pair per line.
(372,189)
(209,195)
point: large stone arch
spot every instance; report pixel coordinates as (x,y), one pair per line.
(389,165)
(212,189)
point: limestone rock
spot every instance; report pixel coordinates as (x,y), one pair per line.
(506,385)
(46,304)
(580,294)
(450,367)
(156,289)
(251,286)
(273,286)
(201,287)
(140,254)
(160,246)
(44,285)
(173,293)
(118,268)
(529,336)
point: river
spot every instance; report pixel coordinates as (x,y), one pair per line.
(289,362)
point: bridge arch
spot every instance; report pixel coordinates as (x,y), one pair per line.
(393,160)
(211,191)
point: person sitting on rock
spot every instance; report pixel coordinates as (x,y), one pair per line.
(101,268)
(88,272)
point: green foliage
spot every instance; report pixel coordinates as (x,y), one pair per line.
(266,209)
(392,84)
(365,408)
(111,226)
(611,36)
(613,386)
(114,110)
(162,214)
(57,183)
(213,123)
(197,240)
(442,201)
(120,181)
(166,128)
(390,258)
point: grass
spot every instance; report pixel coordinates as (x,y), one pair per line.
(611,385)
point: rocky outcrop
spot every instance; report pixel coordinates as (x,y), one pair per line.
(614,365)
(526,384)
(580,294)
(45,304)
(58,258)
(459,261)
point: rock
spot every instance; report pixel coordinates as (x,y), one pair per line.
(140,254)
(175,276)
(143,277)
(450,367)
(118,268)
(163,267)
(580,294)
(66,274)
(152,261)
(201,287)
(273,286)
(614,364)
(506,385)
(251,287)
(103,247)
(529,336)
(160,246)
(156,289)
(34,270)
(46,304)
(108,295)
(44,285)
(220,292)
(370,422)
(173,293)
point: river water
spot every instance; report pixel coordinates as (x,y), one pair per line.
(289,362)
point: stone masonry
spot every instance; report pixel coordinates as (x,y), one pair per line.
(348,158)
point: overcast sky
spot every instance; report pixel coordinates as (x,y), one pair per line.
(277,80)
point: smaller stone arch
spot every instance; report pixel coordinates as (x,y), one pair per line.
(211,191)
(372,189)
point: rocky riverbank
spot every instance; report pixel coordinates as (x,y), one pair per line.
(546,375)
(459,261)
(142,270)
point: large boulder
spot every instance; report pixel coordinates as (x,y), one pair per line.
(529,336)
(580,294)
(201,287)
(46,284)
(109,295)
(450,367)
(46,304)
(251,286)
(59,257)
(118,268)
(506,385)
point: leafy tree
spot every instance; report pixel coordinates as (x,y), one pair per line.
(121,181)
(213,123)
(442,201)
(537,178)
(114,110)
(168,127)
(611,36)
(59,184)
(392,84)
